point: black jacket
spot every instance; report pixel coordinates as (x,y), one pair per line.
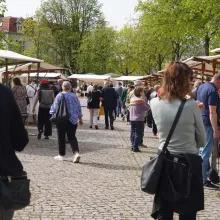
(94,99)
(110,97)
(13,136)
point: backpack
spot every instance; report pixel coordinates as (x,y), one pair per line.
(46,98)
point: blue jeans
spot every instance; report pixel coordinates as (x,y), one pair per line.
(206,151)
(137,129)
(118,109)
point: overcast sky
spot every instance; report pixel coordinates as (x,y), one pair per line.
(117,12)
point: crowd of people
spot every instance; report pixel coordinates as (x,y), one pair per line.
(141,106)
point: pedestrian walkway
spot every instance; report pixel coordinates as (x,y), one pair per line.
(105,185)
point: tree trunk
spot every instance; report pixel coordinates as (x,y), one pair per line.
(206,45)
(159,62)
(126,71)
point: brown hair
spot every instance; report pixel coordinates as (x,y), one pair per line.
(138,90)
(176,82)
(17,81)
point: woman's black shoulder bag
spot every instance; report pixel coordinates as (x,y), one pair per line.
(14,192)
(61,113)
(151,171)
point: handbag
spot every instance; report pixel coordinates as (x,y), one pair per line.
(61,113)
(27,100)
(151,171)
(14,192)
(176,178)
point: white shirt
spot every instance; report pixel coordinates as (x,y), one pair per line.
(89,89)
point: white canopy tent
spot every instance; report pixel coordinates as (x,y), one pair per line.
(10,55)
(130,78)
(90,78)
(7,54)
(43,75)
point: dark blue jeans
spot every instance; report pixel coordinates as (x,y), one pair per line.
(118,108)
(137,129)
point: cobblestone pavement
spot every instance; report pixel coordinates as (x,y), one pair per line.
(105,185)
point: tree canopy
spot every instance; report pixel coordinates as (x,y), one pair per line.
(74,34)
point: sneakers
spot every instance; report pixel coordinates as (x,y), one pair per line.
(76,158)
(60,158)
(209,185)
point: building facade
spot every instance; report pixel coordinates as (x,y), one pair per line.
(11,27)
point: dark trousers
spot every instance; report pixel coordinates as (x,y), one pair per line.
(167,214)
(6,215)
(154,128)
(149,118)
(70,129)
(128,115)
(109,114)
(137,129)
(44,123)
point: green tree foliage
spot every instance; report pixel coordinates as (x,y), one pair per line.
(2,35)
(74,34)
(97,51)
(39,39)
(124,51)
(68,21)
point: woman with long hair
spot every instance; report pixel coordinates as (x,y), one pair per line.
(20,94)
(188,137)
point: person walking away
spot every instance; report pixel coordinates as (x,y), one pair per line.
(196,86)
(59,87)
(109,101)
(84,87)
(152,96)
(127,103)
(138,109)
(94,105)
(119,90)
(208,95)
(187,138)
(53,87)
(20,94)
(68,127)
(31,93)
(89,89)
(45,96)
(14,137)
(123,101)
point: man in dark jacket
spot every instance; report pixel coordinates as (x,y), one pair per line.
(13,137)
(110,97)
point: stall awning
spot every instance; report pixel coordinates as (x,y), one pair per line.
(130,78)
(7,54)
(89,78)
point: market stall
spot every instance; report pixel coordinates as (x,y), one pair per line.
(7,56)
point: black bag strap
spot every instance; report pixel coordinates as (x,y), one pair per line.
(174,125)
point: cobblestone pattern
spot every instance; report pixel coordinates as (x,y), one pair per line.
(104,186)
